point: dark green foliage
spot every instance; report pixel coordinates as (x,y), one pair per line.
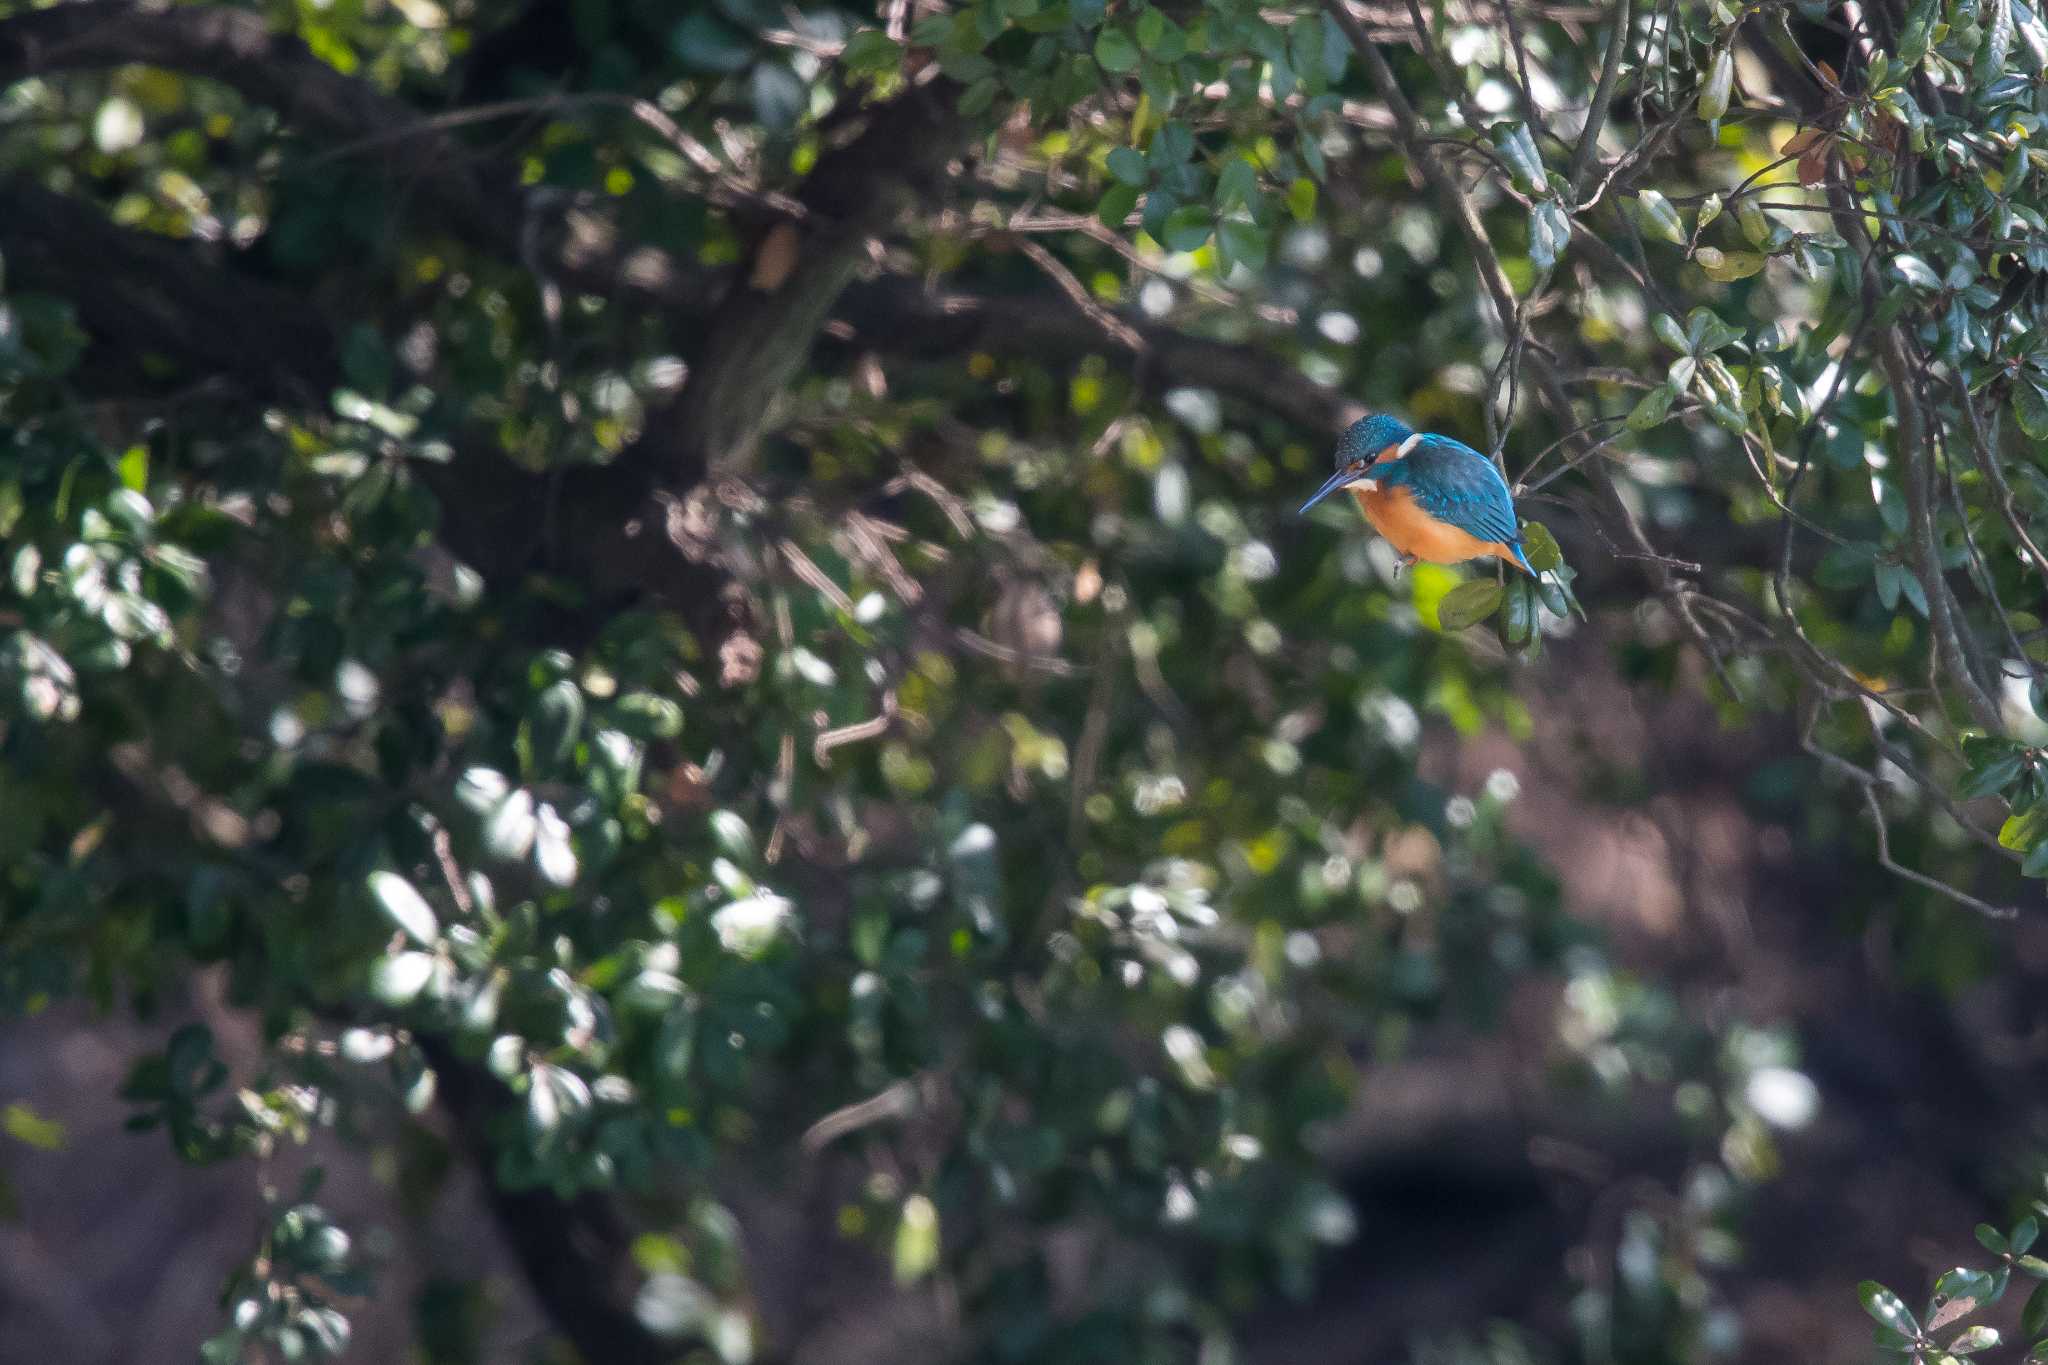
(954,774)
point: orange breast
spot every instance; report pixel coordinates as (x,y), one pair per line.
(1394,514)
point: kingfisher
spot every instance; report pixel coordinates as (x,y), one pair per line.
(1432,497)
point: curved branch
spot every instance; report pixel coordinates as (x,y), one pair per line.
(760,334)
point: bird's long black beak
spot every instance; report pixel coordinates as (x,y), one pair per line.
(1344,476)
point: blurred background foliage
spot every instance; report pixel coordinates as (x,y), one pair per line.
(690,618)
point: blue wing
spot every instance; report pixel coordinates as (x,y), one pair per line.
(1455,483)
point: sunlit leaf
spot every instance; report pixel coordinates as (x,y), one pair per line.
(405,907)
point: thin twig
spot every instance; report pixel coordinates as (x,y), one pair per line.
(824,744)
(1869,782)
(1114,327)
(807,569)
(1044,663)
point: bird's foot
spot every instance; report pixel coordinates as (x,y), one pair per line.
(1404,562)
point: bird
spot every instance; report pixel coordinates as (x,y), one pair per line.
(1432,497)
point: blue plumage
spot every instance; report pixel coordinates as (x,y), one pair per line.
(1455,483)
(1450,480)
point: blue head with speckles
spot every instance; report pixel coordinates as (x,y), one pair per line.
(1358,447)
(1368,436)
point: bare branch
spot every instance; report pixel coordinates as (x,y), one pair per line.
(1112,327)
(1603,95)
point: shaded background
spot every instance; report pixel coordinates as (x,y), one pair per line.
(1640,1054)
(1477,1192)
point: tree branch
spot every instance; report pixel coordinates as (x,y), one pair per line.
(760,334)
(1603,95)
(577,1253)
(1917,453)
(143,298)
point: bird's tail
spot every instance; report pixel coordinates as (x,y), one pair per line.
(1522,559)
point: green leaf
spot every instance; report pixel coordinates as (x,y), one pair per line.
(916,1250)
(25,1125)
(1520,612)
(554,853)
(509,831)
(405,907)
(1652,409)
(1468,604)
(1755,223)
(980,96)
(1727,266)
(2025,830)
(2023,1234)
(645,715)
(780,98)
(398,980)
(543,1104)
(1707,332)
(1987,778)
(1127,164)
(1550,233)
(1915,272)
(1281,75)
(1887,1308)
(1245,242)
(1961,1291)
(1974,1339)
(554,722)
(1989,63)
(1914,593)
(707,42)
(872,51)
(1116,206)
(2032,1265)
(1659,219)
(1888,1340)
(1115,52)
(1301,199)
(1891,505)
(1720,81)
(2034,1317)
(1670,333)
(2030,408)
(1187,228)
(1238,183)
(1151,28)
(1727,418)
(1540,547)
(1173,143)
(1518,149)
